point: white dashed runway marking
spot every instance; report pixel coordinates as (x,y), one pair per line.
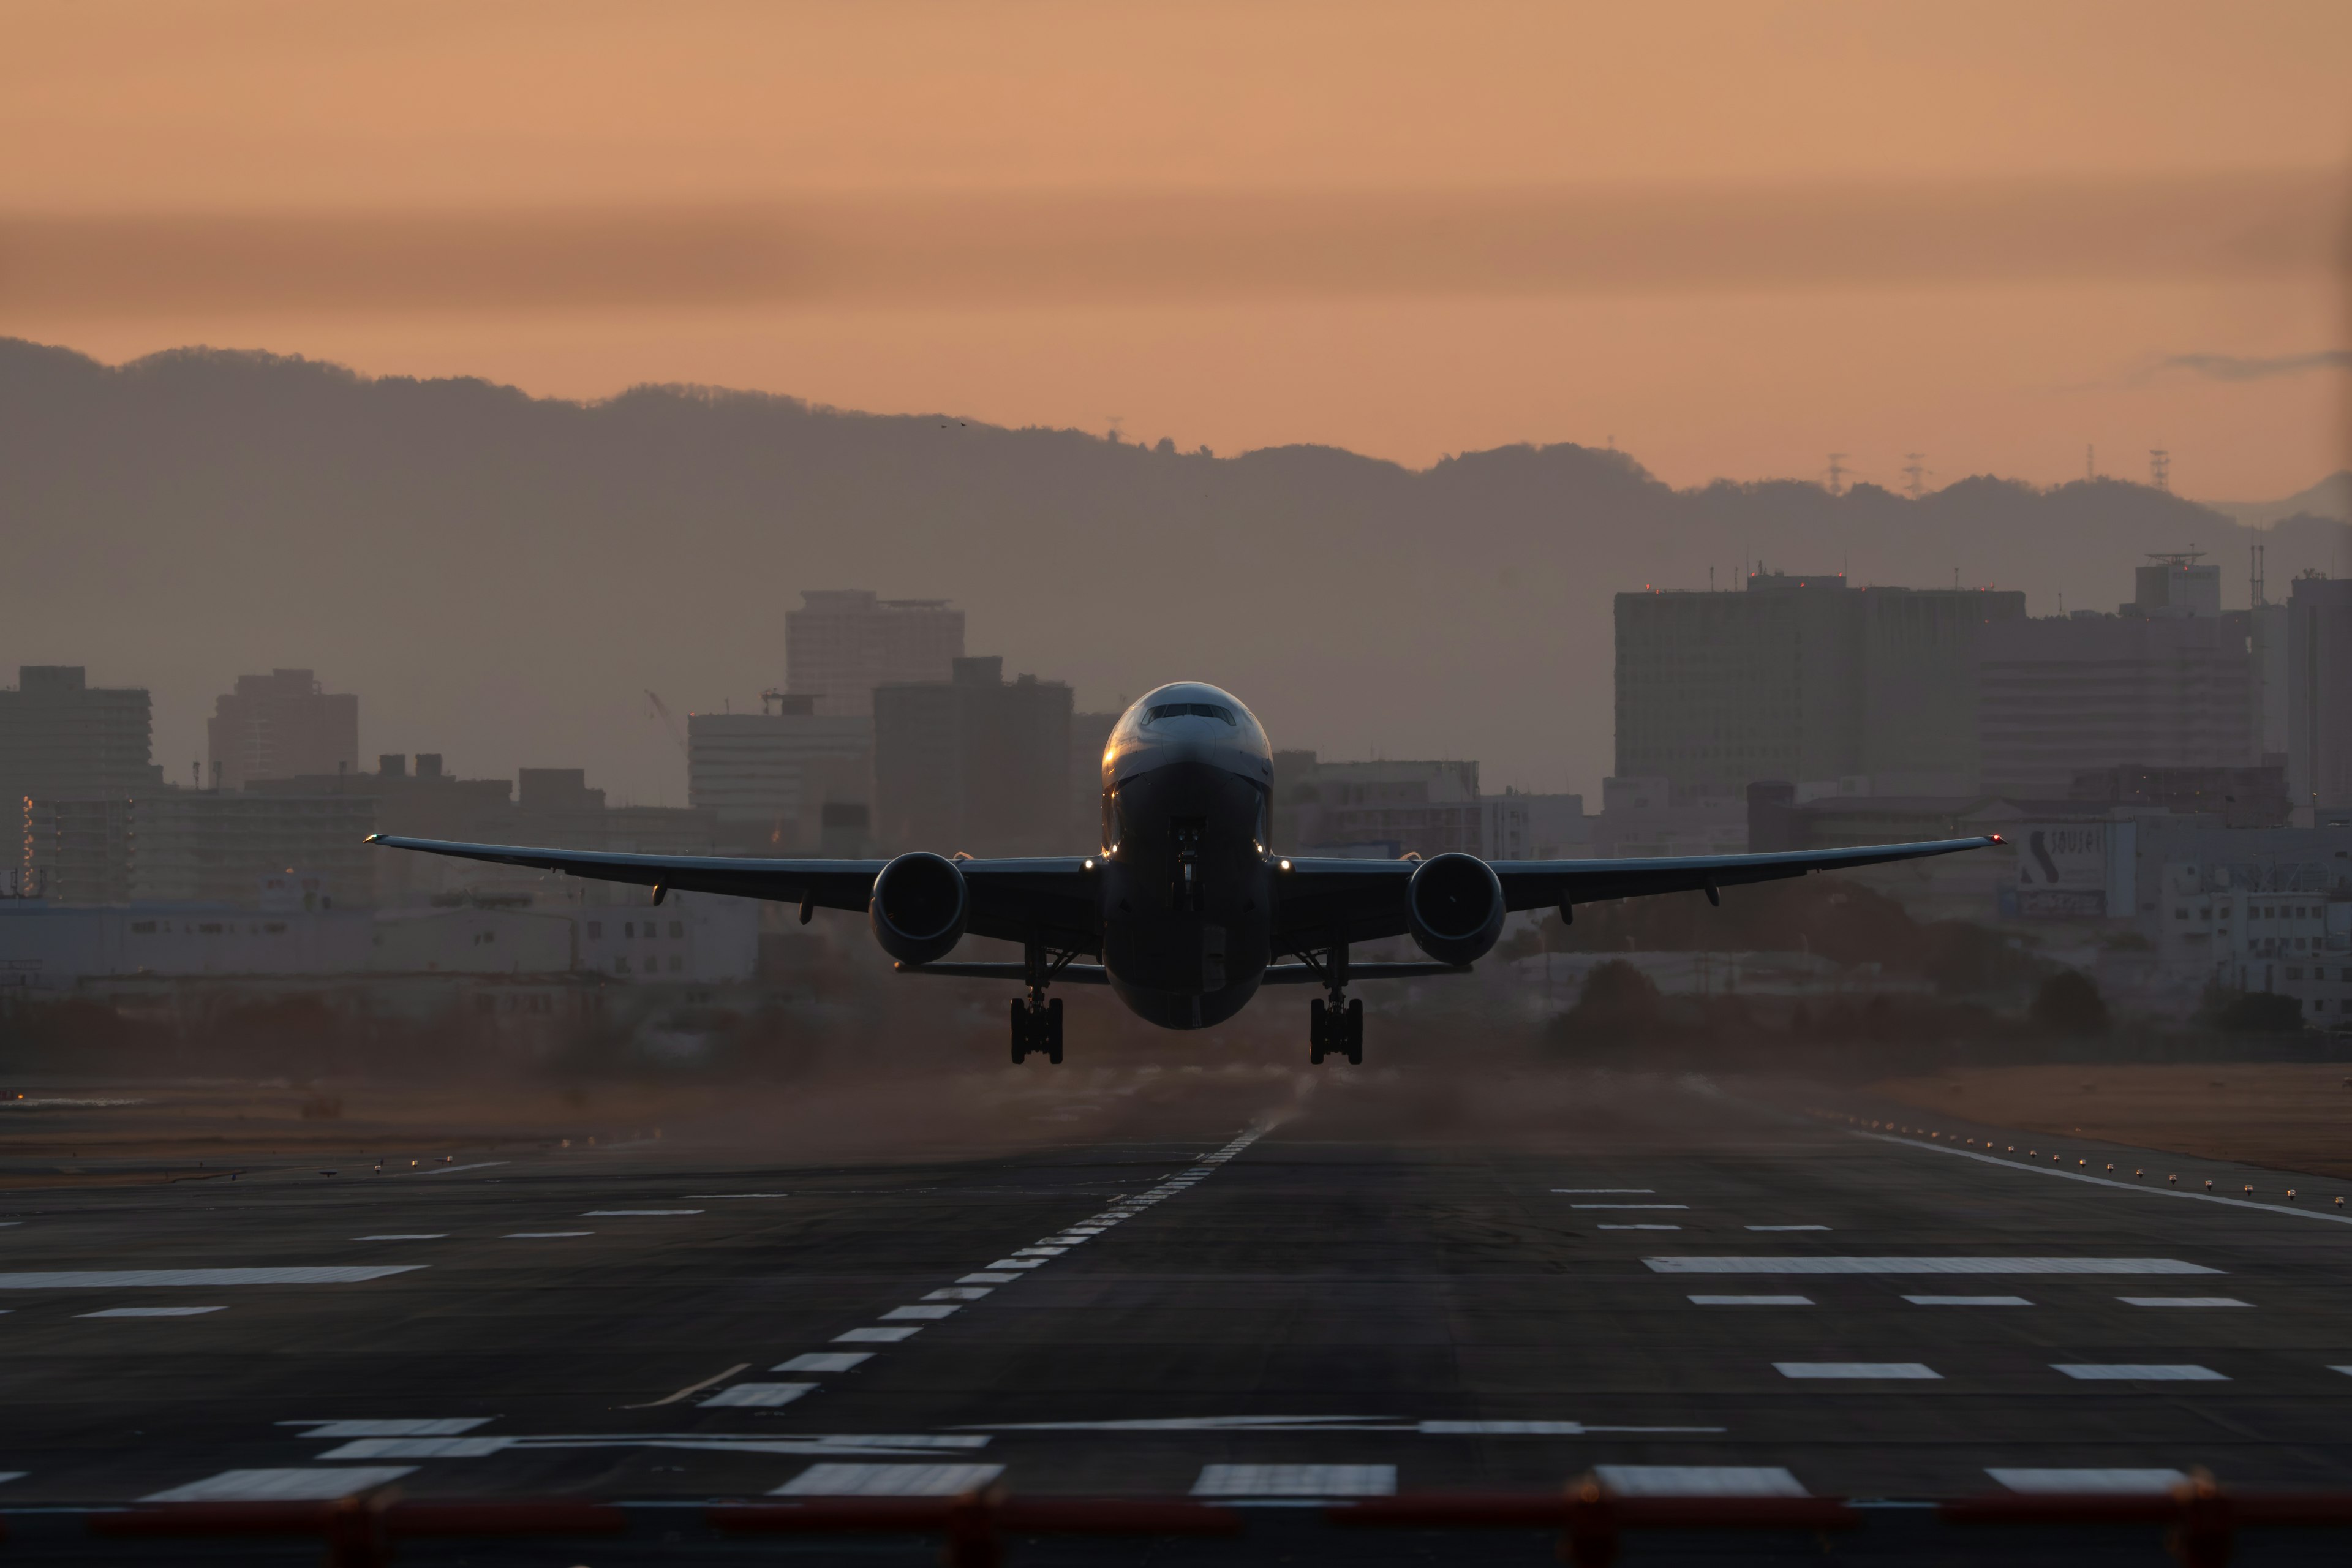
(633,1214)
(149,1312)
(919,1314)
(987,1279)
(1968,1300)
(453,1170)
(309,1485)
(1910,1369)
(1597,1191)
(1019,1263)
(1629,1206)
(757,1395)
(1637,1227)
(542,1234)
(2095,1480)
(1786,1227)
(405,1426)
(7,1476)
(2182,1301)
(824,1361)
(1925,1266)
(406,1236)
(707,1197)
(875,1336)
(957,1293)
(889,1480)
(1753,1300)
(135,1279)
(1296,1481)
(2130,1372)
(419,1449)
(1700,1480)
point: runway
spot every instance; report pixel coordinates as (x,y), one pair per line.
(1265,1288)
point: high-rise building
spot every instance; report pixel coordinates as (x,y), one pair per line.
(767,775)
(220,847)
(281,725)
(2319,696)
(842,644)
(1799,678)
(2062,696)
(2175,587)
(63,739)
(975,764)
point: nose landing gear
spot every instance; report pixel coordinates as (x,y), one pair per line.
(1336,1028)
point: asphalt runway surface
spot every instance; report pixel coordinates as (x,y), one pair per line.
(1259,1288)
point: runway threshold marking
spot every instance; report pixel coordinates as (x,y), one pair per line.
(2121,1481)
(2330,1218)
(692,1388)
(398,1426)
(1314,1482)
(1753,1300)
(839,1479)
(313,1484)
(632,1213)
(419,1448)
(1700,1480)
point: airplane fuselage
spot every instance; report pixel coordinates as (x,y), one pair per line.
(1188,878)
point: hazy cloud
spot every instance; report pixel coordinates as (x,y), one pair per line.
(1045,249)
(2231,367)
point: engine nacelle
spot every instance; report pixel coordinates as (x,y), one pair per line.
(919,907)
(1455,905)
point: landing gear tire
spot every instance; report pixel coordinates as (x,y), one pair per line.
(1319,1030)
(1020,1033)
(1356,1032)
(1052,1019)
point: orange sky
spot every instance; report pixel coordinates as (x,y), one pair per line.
(1733,237)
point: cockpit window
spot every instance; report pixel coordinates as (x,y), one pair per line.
(1152,715)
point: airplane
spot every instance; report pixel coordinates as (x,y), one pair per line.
(1184,911)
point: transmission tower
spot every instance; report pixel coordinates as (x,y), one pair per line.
(2159,469)
(1837,473)
(1915,471)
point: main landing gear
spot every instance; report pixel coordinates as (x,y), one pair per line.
(1335,1025)
(1036,1022)
(1037,1026)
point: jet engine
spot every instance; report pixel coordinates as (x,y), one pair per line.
(919,907)
(1455,905)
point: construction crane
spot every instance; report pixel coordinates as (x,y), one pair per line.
(669,721)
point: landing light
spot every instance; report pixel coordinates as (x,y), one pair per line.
(1285,865)
(1088,864)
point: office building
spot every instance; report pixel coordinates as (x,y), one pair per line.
(766,777)
(281,725)
(2319,696)
(216,847)
(2257,910)
(976,763)
(1800,677)
(63,739)
(1407,806)
(842,644)
(1515,826)
(429,803)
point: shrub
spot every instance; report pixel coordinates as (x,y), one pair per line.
(2068,1002)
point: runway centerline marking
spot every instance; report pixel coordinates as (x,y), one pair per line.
(1629,1206)
(1700,1480)
(406,1236)
(824,1361)
(620,1214)
(876,1336)
(926,1314)
(151,1312)
(2182,1301)
(889,1480)
(1753,1300)
(398,1426)
(707,1197)
(419,1448)
(2126,1483)
(1785,1227)
(2105,1181)
(1300,1481)
(1637,1227)
(1968,1300)
(757,1395)
(692,1388)
(541,1235)
(1925,1266)
(1599,1192)
(312,1484)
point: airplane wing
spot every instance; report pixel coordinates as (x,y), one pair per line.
(1364,901)
(1047,898)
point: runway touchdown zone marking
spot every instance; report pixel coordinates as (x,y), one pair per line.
(757,1395)
(889,1480)
(2127,1371)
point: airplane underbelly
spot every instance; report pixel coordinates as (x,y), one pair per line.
(1186,917)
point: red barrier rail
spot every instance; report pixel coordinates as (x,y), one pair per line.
(1590,1516)
(2202,1518)
(360,1532)
(975,1524)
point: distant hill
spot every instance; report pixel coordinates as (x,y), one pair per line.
(2330,498)
(502,577)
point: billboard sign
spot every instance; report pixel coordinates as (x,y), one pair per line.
(2061,870)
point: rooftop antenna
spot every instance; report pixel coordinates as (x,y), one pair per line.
(1915,469)
(2159,469)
